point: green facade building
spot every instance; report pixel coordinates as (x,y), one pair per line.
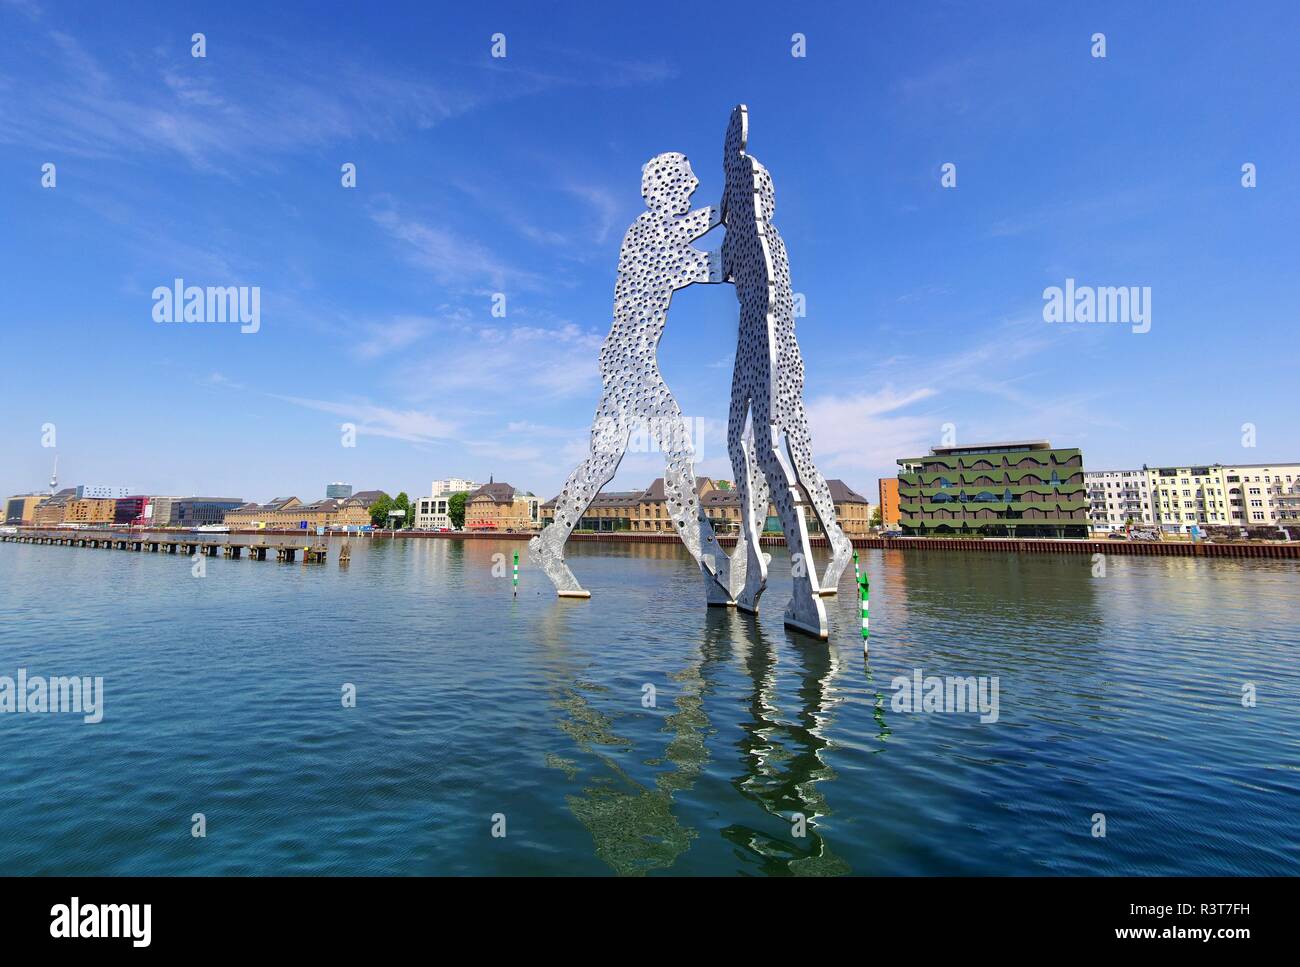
(1022,489)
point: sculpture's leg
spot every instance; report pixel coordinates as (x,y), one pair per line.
(759,499)
(799,442)
(748,564)
(805,611)
(694,528)
(608,443)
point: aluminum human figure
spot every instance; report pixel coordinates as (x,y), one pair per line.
(767,395)
(656,259)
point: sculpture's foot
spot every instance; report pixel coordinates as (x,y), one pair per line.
(549,559)
(755,582)
(841,557)
(737,562)
(807,614)
(715,595)
(716,568)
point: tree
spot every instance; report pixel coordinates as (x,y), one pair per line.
(877,519)
(403,503)
(456,509)
(379,511)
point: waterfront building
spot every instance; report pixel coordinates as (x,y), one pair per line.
(1016,489)
(1190,496)
(159,511)
(199,511)
(1286,506)
(646,511)
(173,511)
(51,511)
(1118,499)
(362,500)
(628,510)
(641,511)
(277,512)
(499,506)
(433,513)
(90,510)
(1241,495)
(852,510)
(722,508)
(20,509)
(339,491)
(99,492)
(888,487)
(1260,492)
(290,513)
(132,511)
(452,485)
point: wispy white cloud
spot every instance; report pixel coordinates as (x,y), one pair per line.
(454,260)
(502,366)
(606,206)
(414,426)
(272,102)
(383,338)
(29,8)
(867,431)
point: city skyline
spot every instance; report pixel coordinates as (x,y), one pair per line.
(517,175)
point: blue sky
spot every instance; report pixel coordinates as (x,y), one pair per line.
(519,175)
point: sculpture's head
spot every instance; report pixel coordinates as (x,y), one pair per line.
(766,192)
(736,139)
(667,183)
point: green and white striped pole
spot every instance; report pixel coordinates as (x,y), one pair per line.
(864,588)
(515,579)
(857,574)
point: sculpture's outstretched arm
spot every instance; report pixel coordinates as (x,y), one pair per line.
(701,221)
(706,266)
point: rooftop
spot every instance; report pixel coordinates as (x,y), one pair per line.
(992,447)
(500,493)
(364,497)
(843,493)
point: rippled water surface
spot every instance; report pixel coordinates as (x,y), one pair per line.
(1119,694)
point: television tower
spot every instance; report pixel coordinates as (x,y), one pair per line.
(54,477)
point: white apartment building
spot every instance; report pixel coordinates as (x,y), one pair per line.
(453,485)
(1118,498)
(431,513)
(1263,494)
(1244,495)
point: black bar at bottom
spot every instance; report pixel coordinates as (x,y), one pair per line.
(334,916)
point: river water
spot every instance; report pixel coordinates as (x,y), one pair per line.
(641,733)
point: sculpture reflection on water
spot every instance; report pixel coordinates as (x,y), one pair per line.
(643,813)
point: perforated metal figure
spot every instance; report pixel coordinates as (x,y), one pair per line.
(656,260)
(767,388)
